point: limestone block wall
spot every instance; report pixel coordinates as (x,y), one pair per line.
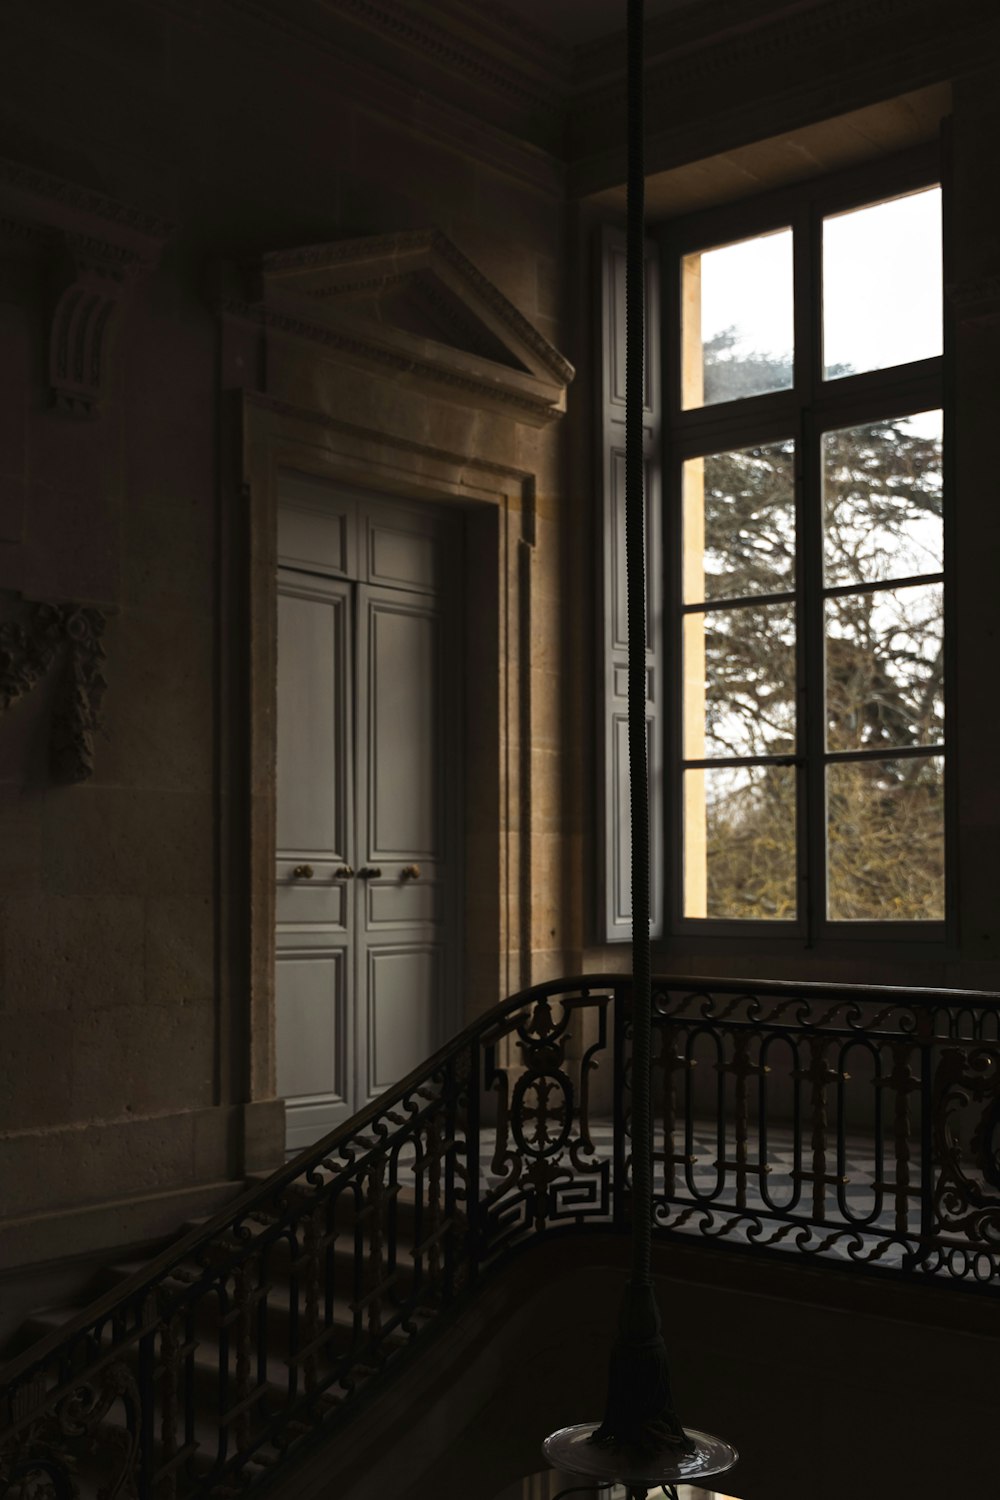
(123,899)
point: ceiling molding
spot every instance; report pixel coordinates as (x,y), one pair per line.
(418,46)
(405,24)
(719,35)
(827,58)
(38,197)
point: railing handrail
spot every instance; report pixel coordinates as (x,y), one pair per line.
(173,1254)
(244,1203)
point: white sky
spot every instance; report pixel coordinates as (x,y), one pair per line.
(882,286)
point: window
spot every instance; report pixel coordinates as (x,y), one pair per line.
(804,560)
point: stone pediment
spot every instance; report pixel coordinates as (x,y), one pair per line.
(415,302)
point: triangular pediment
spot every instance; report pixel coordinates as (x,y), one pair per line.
(416,297)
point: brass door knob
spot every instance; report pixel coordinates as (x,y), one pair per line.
(343,872)
(370,872)
(303,872)
(410,872)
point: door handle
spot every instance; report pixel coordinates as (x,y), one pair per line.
(303,872)
(410,872)
(343,872)
(370,872)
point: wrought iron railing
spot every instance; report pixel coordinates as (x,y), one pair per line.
(859,1126)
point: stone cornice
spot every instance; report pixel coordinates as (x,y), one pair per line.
(719,35)
(537,410)
(95,247)
(26,193)
(810,60)
(519,478)
(419,32)
(416,45)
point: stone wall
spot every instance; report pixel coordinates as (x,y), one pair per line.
(123,898)
(200,137)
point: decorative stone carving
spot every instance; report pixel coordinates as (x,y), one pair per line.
(95,247)
(28,649)
(94,280)
(414,303)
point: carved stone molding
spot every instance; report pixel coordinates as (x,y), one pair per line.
(486,49)
(810,61)
(412,303)
(30,644)
(92,285)
(700,41)
(95,247)
(372,260)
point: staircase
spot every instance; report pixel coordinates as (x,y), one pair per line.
(854,1127)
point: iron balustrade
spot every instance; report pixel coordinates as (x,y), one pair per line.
(838,1123)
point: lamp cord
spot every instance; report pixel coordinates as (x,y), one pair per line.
(639,1416)
(642,1185)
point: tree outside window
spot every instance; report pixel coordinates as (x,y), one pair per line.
(807,565)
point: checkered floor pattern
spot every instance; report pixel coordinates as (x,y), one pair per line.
(856,1216)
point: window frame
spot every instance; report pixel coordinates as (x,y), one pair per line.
(813,406)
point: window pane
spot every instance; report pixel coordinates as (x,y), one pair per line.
(882,284)
(885,856)
(736,318)
(882,500)
(739,681)
(739,523)
(739,843)
(885,668)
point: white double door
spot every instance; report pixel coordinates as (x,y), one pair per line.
(367,811)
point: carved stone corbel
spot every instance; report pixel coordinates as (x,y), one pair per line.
(95,247)
(29,647)
(90,281)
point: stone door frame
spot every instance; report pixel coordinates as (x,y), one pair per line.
(497,500)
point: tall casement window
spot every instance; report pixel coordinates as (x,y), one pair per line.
(797,571)
(805,561)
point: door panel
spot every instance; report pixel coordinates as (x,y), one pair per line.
(367,803)
(401,639)
(404,989)
(403,548)
(398,905)
(317,527)
(402,742)
(314,1042)
(322,901)
(314,988)
(313,720)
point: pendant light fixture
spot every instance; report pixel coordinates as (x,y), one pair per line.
(640,1443)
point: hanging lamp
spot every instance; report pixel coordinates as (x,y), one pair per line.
(640,1443)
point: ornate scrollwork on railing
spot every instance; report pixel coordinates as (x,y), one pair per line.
(965,1194)
(545,1168)
(29,646)
(808,1121)
(69,1438)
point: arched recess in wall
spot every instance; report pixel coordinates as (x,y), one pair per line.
(390,365)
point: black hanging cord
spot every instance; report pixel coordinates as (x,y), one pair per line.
(639,1415)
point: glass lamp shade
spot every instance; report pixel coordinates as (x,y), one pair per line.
(571,1450)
